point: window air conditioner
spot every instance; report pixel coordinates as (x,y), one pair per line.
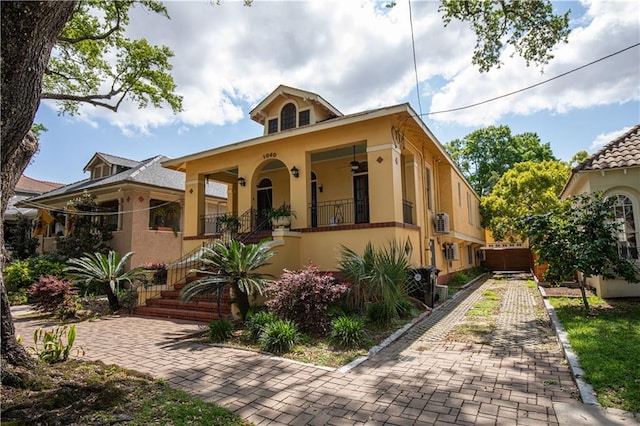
(442,223)
(451,251)
(442,292)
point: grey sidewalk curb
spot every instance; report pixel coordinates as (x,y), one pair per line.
(398,333)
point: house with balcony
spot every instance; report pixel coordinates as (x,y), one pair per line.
(372,176)
(141,201)
(615,171)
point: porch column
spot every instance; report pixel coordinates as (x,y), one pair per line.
(385,183)
(194,205)
(300,189)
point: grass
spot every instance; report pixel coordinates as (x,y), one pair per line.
(80,392)
(480,321)
(607,342)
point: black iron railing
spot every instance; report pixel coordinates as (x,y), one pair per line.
(407,211)
(334,212)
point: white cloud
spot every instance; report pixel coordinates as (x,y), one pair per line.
(604,138)
(611,26)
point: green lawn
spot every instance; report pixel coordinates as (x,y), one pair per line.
(607,342)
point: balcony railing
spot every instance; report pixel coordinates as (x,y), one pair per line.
(407,211)
(333,212)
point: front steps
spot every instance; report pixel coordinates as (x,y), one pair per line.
(199,308)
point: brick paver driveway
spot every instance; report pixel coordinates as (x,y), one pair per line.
(421,378)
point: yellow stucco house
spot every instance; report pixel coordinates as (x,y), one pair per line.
(372,176)
(615,171)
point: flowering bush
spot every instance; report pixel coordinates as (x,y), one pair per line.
(49,293)
(304,297)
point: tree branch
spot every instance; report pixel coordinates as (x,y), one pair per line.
(89,99)
(102,36)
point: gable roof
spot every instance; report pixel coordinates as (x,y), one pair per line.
(282,90)
(621,152)
(110,159)
(146,172)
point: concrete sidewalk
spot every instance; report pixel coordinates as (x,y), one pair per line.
(518,377)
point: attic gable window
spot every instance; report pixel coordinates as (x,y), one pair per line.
(288,117)
(273,125)
(304,118)
(100,170)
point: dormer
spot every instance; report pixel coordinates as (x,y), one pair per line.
(289,108)
(103,165)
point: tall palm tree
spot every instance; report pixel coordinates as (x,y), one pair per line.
(104,270)
(232,265)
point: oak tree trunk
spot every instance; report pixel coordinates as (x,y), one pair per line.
(29,32)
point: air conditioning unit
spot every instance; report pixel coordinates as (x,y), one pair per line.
(451,251)
(481,255)
(442,292)
(442,223)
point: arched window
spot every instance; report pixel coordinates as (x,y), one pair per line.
(288,117)
(627,232)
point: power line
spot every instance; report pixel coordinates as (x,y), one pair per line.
(415,65)
(532,86)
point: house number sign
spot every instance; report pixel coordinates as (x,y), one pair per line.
(269,155)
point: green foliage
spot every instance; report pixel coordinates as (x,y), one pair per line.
(49,293)
(106,271)
(529,27)
(347,332)
(95,62)
(405,308)
(304,297)
(527,188)
(87,235)
(256,323)
(580,236)
(231,265)
(50,346)
(18,275)
(18,297)
(279,337)
(128,299)
(484,155)
(19,240)
(42,267)
(380,314)
(378,276)
(220,330)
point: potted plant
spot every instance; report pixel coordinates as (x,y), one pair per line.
(166,217)
(228,224)
(280,216)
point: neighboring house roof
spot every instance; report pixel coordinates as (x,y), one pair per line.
(283,90)
(25,188)
(146,172)
(623,151)
(620,153)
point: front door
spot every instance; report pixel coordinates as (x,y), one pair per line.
(265,202)
(361,198)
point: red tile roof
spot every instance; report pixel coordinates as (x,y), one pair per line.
(26,183)
(621,152)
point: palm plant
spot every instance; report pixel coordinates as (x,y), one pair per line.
(378,276)
(104,270)
(233,265)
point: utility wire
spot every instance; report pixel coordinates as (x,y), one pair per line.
(415,66)
(85,213)
(529,87)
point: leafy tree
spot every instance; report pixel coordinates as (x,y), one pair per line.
(530,27)
(84,34)
(485,154)
(527,188)
(579,157)
(580,235)
(107,271)
(88,232)
(232,265)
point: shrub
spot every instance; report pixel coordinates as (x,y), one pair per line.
(18,297)
(48,293)
(404,308)
(279,337)
(347,332)
(128,300)
(304,297)
(43,267)
(220,330)
(256,323)
(380,313)
(67,309)
(17,275)
(53,348)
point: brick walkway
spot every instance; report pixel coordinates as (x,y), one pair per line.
(419,379)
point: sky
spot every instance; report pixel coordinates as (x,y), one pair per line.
(357,55)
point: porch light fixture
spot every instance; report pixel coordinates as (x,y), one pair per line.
(354,164)
(241,181)
(295,172)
